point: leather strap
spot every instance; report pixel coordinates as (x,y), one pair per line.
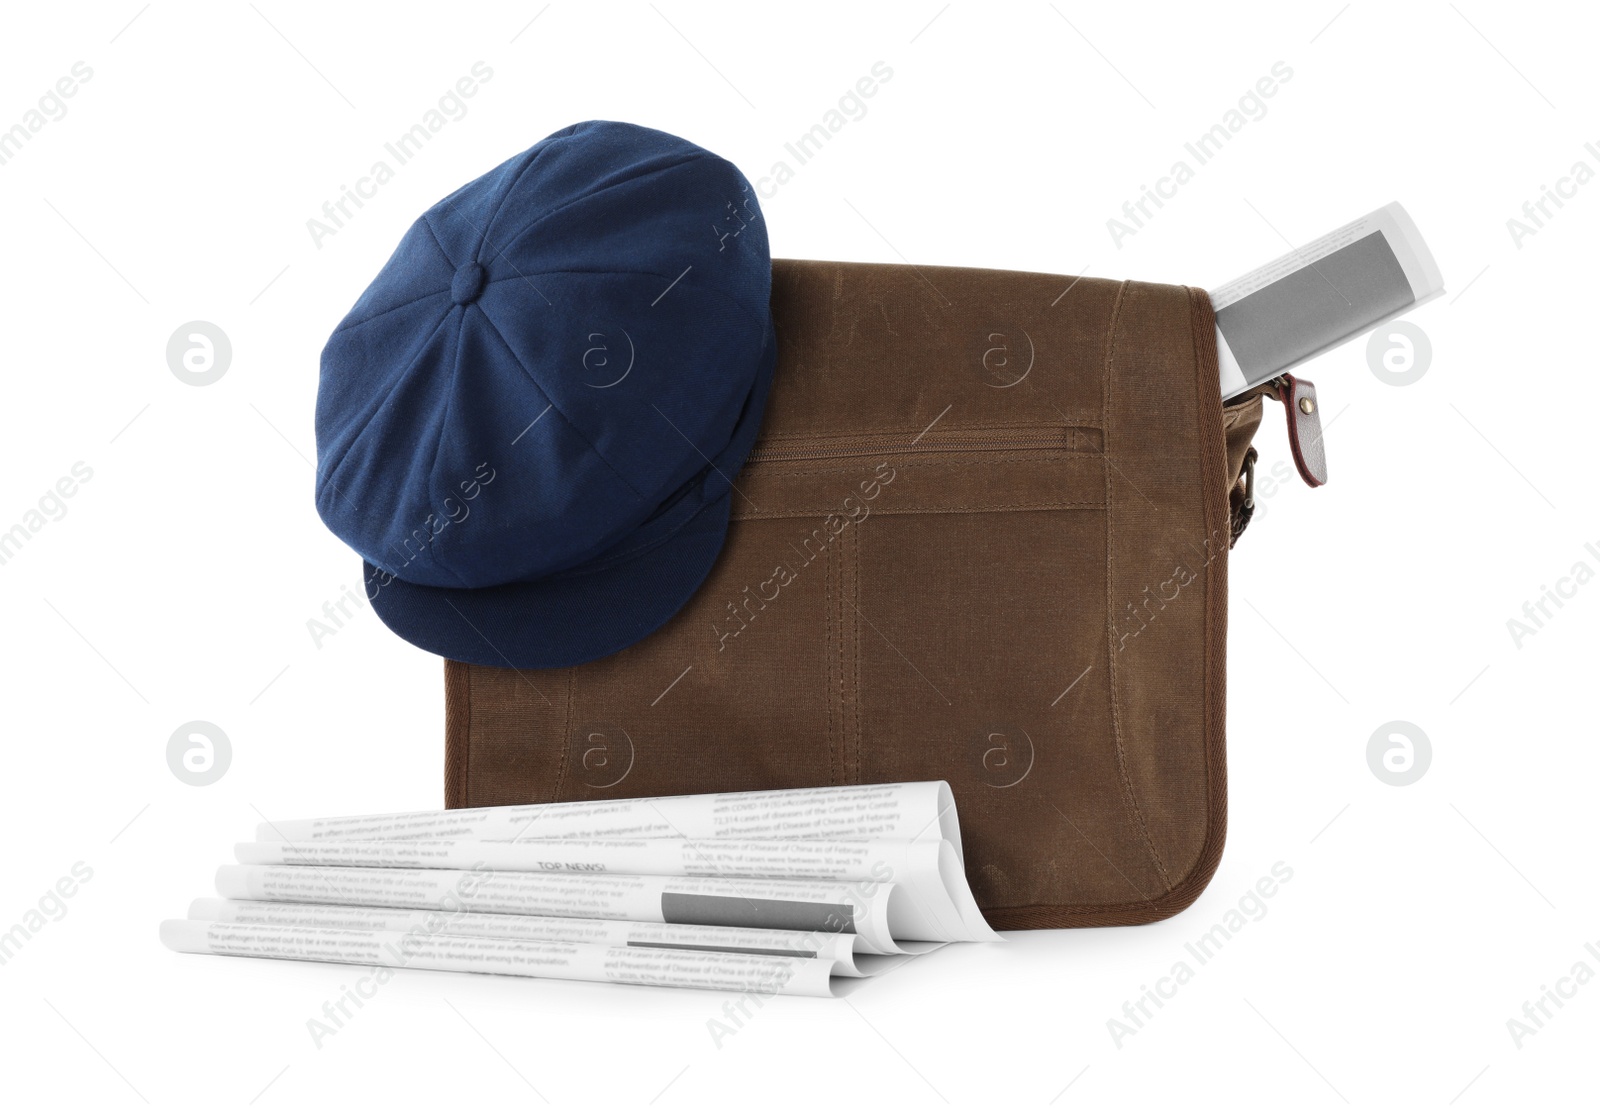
(1299,399)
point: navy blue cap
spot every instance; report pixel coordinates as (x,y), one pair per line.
(529,424)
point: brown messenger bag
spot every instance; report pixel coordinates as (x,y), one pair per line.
(984,539)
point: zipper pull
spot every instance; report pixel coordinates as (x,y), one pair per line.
(1299,399)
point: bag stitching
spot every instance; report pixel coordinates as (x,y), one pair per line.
(827,658)
(855,704)
(463,736)
(923,465)
(845,436)
(1111,655)
(803,513)
(466,753)
(566,740)
(844,638)
(1188,888)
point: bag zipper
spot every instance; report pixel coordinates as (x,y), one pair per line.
(942,441)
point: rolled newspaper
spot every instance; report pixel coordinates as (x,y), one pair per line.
(832,947)
(764,975)
(909,811)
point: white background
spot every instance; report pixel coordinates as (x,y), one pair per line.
(178,585)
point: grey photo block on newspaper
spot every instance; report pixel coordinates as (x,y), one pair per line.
(755,912)
(1315,307)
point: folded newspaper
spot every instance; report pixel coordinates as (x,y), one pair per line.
(1320,296)
(775,892)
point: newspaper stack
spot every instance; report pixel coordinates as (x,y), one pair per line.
(777,892)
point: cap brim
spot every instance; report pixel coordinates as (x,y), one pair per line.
(560,621)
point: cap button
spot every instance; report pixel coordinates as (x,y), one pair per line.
(468,283)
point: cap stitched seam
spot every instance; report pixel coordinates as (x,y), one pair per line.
(427,224)
(395,308)
(722,293)
(367,418)
(438,442)
(517,358)
(697,447)
(500,252)
(405,370)
(537,220)
(698,156)
(500,201)
(434,235)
